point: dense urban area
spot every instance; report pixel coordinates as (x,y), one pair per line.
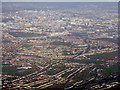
(62,46)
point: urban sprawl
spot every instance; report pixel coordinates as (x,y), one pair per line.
(63,48)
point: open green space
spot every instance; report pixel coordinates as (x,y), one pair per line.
(108,39)
(25,34)
(15,71)
(4,64)
(27,45)
(67,52)
(85,61)
(9,70)
(112,69)
(6,41)
(51,47)
(7,19)
(106,56)
(77,46)
(93,58)
(61,43)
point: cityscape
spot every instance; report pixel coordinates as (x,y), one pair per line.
(65,46)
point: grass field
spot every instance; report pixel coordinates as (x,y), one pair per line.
(103,56)
(25,34)
(86,61)
(15,71)
(6,41)
(9,70)
(111,69)
(93,58)
(27,45)
(61,43)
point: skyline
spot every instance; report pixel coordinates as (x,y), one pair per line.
(60,1)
